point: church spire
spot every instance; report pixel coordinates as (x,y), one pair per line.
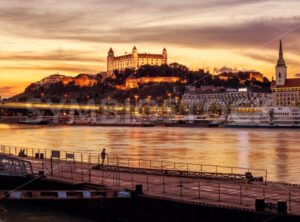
(280,61)
(281,69)
(280,50)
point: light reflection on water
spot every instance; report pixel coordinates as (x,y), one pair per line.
(276,150)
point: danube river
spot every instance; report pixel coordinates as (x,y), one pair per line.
(277,150)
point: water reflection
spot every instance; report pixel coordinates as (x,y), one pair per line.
(275,150)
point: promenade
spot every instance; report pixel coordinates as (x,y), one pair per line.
(198,183)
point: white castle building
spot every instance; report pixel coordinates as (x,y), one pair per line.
(134,60)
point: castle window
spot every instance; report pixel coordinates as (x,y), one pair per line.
(279,75)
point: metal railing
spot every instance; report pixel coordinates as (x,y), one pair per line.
(80,169)
(115,160)
(234,194)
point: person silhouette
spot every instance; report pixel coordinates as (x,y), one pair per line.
(103,156)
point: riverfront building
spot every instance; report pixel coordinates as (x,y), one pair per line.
(229,98)
(134,60)
(285,91)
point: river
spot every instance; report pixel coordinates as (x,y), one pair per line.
(277,150)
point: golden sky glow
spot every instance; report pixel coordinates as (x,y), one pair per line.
(39,38)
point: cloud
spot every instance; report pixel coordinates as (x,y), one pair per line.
(7,91)
(173,22)
(55,55)
(54,68)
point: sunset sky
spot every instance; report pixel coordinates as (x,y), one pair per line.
(43,37)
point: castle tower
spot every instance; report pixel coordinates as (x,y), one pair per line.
(110,62)
(165,56)
(281,68)
(135,58)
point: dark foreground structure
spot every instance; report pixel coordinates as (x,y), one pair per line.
(137,208)
(141,190)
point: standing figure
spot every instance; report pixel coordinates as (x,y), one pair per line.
(103,156)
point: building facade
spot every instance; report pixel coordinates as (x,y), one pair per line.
(285,91)
(134,60)
(248,75)
(227,99)
(132,82)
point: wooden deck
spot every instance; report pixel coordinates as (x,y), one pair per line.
(181,185)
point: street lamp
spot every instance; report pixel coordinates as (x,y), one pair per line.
(129,105)
(149,102)
(136,97)
(170,101)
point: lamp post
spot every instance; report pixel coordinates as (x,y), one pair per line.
(170,101)
(136,97)
(176,101)
(42,97)
(149,103)
(129,107)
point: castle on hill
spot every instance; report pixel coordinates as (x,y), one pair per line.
(134,60)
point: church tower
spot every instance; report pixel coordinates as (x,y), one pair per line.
(165,56)
(135,58)
(110,62)
(281,68)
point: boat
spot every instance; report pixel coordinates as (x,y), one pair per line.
(111,121)
(193,121)
(264,117)
(34,122)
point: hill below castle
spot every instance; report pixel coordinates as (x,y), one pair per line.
(155,81)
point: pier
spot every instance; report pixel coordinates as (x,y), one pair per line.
(219,186)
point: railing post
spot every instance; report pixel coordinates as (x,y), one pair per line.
(201,168)
(161,165)
(90,160)
(187,167)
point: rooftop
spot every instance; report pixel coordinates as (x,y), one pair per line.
(292,82)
